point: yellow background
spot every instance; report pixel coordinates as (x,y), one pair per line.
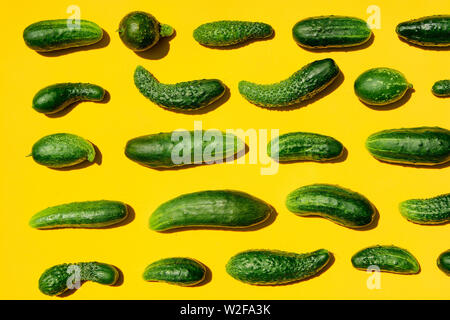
(27,187)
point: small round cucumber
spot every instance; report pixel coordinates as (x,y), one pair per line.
(179,271)
(140,31)
(414,146)
(274,267)
(58,96)
(331,32)
(214,208)
(87,214)
(190,95)
(62,150)
(227,33)
(427,211)
(386,258)
(431,31)
(301,146)
(441,88)
(56,280)
(302,85)
(381,86)
(443,262)
(50,35)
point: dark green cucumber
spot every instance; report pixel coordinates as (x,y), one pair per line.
(432,31)
(441,88)
(300,146)
(140,31)
(179,271)
(62,150)
(386,258)
(55,280)
(161,150)
(443,262)
(50,35)
(274,267)
(416,146)
(331,32)
(227,33)
(58,96)
(87,214)
(381,86)
(337,204)
(214,208)
(427,211)
(190,95)
(302,85)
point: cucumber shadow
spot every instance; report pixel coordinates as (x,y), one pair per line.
(97,160)
(341,158)
(394,105)
(69,108)
(239,45)
(159,50)
(414,45)
(362,46)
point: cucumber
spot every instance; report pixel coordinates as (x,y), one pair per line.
(179,271)
(443,262)
(58,96)
(381,86)
(301,146)
(415,146)
(337,204)
(50,35)
(159,150)
(386,258)
(274,267)
(427,211)
(431,31)
(227,33)
(55,280)
(302,85)
(140,31)
(62,150)
(212,208)
(331,32)
(87,214)
(190,95)
(441,88)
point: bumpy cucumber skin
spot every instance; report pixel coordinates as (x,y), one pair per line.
(431,31)
(434,210)
(337,204)
(50,35)
(441,88)
(443,262)
(62,150)
(331,32)
(274,267)
(227,33)
(87,214)
(415,146)
(302,85)
(54,280)
(214,208)
(381,86)
(155,150)
(387,258)
(301,146)
(58,96)
(179,271)
(190,95)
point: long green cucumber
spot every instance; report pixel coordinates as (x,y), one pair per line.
(431,31)
(179,271)
(443,262)
(427,211)
(441,88)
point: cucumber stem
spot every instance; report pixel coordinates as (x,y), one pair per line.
(165,30)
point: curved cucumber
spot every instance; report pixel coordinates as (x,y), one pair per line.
(188,95)
(62,150)
(87,214)
(441,88)
(57,279)
(183,148)
(273,267)
(302,85)
(427,211)
(342,206)
(443,262)
(386,258)
(58,96)
(226,33)
(331,32)
(432,31)
(50,35)
(179,271)
(419,146)
(215,208)
(300,146)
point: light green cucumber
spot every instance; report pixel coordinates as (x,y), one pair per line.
(434,210)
